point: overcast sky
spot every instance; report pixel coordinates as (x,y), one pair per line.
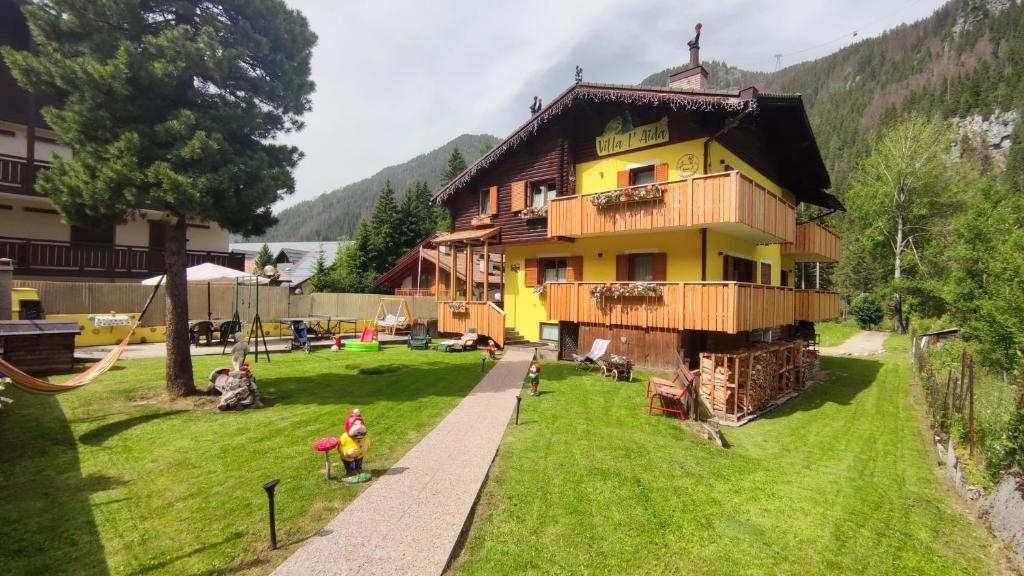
(396,78)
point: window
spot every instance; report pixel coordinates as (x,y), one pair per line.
(541,192)
(785,277)
(555,269)
(642,175)
(737,269)
(80,235)
(766,272)
(485,202)
(549,332)
(641,267)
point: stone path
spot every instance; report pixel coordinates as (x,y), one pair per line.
(410,518)
(864,343)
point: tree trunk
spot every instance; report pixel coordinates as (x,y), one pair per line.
(179,357)
(897,274)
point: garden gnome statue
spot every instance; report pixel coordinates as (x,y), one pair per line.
(352,446)
(534,377)
(238,352)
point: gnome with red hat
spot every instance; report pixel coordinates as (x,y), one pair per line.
(534,377)
(353,444)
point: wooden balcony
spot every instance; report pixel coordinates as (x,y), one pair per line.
(14,174)
(51,258)
(414,291)
(814,243)
(486,317)
(817,305)
(729,307)
(727,201)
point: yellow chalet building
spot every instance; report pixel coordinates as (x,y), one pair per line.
(663,215)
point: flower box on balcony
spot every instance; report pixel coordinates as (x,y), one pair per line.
(533,213)
(625,290)
(627,195)
(480,221)
(457,307)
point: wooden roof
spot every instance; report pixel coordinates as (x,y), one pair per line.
(467,235)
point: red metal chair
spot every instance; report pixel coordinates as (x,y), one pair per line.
(668,393)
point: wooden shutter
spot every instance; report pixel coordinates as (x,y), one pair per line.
(623,180)
(518,195)
(661,173)
(727,272)
(766,272)
(574,269)
(530,268)
(494,200)
(622,268)
(660,267)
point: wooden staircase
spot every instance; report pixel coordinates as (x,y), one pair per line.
(513,338)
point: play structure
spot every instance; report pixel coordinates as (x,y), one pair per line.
(28,383)
(367,342)
(392,314)
(247,297)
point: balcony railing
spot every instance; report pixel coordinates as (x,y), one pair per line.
(459,317)
(414,291)
(729,307)
(14,174)
(814,243)
(45,257)
(816,305)
(729,201)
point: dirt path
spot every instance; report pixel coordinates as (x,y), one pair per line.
(865,343)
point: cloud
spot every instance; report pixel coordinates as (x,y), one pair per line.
(398,78)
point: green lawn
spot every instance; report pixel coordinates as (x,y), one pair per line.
(838,481)
(835,333)
(113,479)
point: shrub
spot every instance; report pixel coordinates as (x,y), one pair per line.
(867,309)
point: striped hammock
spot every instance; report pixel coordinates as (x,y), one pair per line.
(30,384)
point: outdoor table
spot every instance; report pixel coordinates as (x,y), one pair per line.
(325,445)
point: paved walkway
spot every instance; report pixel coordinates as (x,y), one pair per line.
(864,343)
(411,517)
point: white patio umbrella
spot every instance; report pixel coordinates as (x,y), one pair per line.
(210,274)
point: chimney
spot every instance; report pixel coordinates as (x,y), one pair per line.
(695,77)
(6,285)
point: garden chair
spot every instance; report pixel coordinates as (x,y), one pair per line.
(201,330)
(591,359)
(670,394)
(682,377)
(419,337)
(468,341)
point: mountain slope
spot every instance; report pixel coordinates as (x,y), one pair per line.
(965,59)
(336,214)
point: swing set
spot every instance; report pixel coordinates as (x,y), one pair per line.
(250,300)
(392,314)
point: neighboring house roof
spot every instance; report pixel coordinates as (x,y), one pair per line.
(301,256)
(781,115)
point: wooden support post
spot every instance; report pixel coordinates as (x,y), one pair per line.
(970,409)
(454,273)
(487,269)
(437,275)
(469,272)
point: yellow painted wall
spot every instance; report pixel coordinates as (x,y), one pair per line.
(601,175)
(733,246)
(720,156)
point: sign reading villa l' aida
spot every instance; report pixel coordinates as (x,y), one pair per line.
(620,135)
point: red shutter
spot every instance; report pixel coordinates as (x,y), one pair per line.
(661,173)
(531,272)
(660,267)
(622,268)
(623,180)
(494,200)
(518,195)
(574,269)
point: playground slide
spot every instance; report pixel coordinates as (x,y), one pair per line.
(369,335)
(367,342)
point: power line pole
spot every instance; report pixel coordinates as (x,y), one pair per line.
(778,62)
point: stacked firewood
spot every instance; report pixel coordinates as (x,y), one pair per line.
(808,367)
(757,374)
(716,384)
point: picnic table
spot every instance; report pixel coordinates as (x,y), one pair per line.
(323,326)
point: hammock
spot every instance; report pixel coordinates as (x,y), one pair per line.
(91,374)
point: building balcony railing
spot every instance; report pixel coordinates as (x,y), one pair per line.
(729,307)
(414,291)
(14,174)
(729,201)
(45,257)
(457,317)
(814,243)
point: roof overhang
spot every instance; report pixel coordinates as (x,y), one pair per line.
(477,235)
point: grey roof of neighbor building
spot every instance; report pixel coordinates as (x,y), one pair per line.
(301,256)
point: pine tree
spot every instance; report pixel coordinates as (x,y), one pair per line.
(357,271)
(1015,158)
(173,106)
(263,258)
(417,217)
(456,166)
(321,277)
(386,230)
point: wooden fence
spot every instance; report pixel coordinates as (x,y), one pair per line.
(949,396)
(220,301)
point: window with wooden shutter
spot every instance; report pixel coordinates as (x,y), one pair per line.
(493,192)
(574,272)
(766,272)
(660,267)
(622,268)
(661,173)
(518,195)
(530,271)
(623,178)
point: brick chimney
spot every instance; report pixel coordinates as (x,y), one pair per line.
(695,77)
(6,285)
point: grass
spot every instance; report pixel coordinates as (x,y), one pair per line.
(115,479)
(835,333)
(838,481)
